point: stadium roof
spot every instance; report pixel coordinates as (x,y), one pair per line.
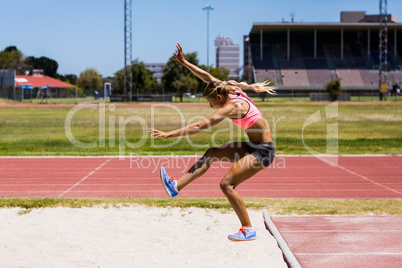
(273,27)
(40,81)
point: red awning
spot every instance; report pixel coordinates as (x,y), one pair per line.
(40,81)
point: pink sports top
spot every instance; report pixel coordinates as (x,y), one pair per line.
(251,117)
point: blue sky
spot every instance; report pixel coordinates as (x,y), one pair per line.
(82,34)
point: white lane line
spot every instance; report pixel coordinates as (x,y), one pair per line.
(367,179)
(84,178)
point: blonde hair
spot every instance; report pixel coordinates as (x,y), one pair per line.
(226,87)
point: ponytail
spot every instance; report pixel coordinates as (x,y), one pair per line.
(226,87)
(257,87)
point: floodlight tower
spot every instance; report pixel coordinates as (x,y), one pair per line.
(128,45)
(208,8)
(383,48)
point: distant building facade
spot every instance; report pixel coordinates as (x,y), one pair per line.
(360,16)
(156,69)
(227,55)
(303,57)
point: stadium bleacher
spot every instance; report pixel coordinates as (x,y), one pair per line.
(350,77)
(307,56)
(295,77)
(318,77)
(397,75)
(262,74)
(370,78)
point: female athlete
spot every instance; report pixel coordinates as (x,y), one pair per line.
(249,158)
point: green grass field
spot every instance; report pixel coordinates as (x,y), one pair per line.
(358,207)
(362,129)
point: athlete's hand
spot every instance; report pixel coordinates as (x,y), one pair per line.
(158,134)
(179,55)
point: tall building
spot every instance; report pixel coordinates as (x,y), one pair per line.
(227,55)
(156,69)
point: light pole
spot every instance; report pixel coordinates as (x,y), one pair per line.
(383,44)
(208,8)
(128,47)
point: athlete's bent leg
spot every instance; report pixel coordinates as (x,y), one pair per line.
(231,152)
(242,170)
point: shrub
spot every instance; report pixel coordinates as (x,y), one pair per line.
(334,89)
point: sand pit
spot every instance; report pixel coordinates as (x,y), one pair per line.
(131,237)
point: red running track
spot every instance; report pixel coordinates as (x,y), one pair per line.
(336,241)
(315,241)
(287,177)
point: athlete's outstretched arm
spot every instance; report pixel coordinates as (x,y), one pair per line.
(231,109)
(200,73)
(193,128)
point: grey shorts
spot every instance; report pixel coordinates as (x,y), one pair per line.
(263,151)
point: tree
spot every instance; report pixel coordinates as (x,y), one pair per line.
(10,49)
(220,73)
(175,71)
(89,80)
(156,88)
(68,78)
(334,89)
(48,66)
(143,79)
(185,84)
(12,59)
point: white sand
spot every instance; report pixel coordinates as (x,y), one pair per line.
(131,237)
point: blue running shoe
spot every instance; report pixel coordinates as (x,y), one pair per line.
(170,183)
(244,234)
